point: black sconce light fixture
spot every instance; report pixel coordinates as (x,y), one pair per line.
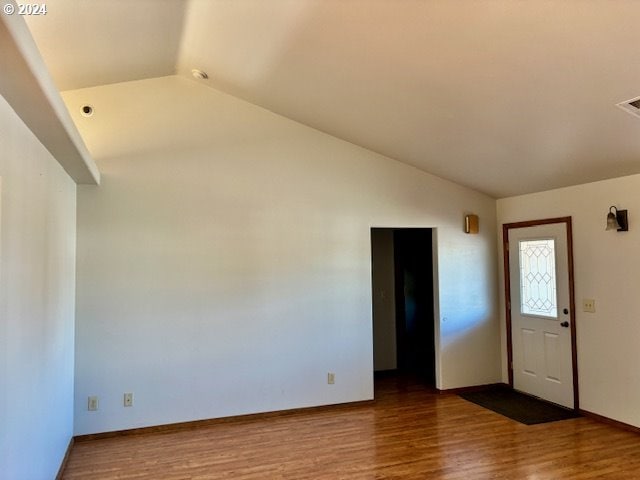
(617,220)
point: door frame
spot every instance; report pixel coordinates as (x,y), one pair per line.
(572,304)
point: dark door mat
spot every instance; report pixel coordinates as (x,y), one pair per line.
(518,406)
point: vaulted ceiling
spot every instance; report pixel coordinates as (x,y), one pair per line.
(503,96)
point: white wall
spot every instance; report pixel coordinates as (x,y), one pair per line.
(384,301)
(224,265)
(37,290)
(607,269)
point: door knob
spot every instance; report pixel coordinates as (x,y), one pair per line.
(564,324)
(565,311)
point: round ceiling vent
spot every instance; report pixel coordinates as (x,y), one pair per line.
(199,74)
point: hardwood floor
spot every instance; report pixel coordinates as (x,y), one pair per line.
(407,433)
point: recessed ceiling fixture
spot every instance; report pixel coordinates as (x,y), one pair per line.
(631,106)
(199,74)
(86,110)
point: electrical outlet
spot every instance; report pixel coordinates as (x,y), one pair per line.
(588,305)
(128,399)
(92,404)
(331,378)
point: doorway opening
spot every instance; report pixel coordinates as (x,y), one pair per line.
(403,304)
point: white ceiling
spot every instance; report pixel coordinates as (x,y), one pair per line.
(506,97)
(95,42)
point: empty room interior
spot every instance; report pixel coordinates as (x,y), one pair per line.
(283,239)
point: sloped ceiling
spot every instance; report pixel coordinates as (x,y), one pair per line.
(505,97)
(95,42)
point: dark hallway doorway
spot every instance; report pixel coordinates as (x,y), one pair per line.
(414,303)
(403,302)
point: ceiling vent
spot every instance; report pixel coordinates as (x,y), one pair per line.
(631,106)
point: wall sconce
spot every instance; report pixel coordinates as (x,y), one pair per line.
(617,220)
(471,224)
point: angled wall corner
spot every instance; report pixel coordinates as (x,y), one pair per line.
(30,91)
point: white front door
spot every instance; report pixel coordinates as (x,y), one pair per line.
(540,316)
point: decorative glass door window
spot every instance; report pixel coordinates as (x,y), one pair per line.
(538,278)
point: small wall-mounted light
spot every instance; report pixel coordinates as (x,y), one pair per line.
(617,220)
(471,224)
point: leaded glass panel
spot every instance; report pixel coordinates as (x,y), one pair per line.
(538,278)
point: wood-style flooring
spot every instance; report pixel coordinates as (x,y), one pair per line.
(408,432)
